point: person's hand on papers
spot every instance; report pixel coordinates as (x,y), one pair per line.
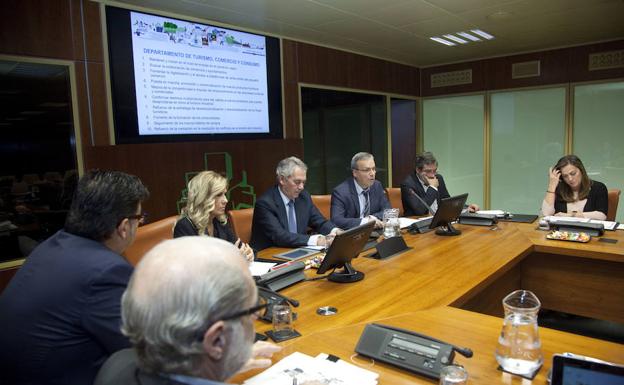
(261,354)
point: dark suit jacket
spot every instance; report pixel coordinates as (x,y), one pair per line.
(60,315)
(184,227)
(345,203)
(412,205)
(121,369)
(270,223)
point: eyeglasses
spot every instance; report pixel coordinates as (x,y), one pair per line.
(366,170)
(141,217)
(257,311)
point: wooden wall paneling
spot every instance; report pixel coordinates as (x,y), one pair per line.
(403,148)
(575,285)
(479,76)
(93,27)
(37,28)
(553,70)
(98,99)
(579,62)
(162,166)
(83,106)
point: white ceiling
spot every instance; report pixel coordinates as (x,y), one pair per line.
(399,30)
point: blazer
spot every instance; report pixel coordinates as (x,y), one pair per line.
(597,200)
(270,224)
(411,186)
(345,203)
(185,227)
(121,369)
(60,314)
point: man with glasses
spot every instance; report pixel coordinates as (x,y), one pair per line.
(283,214)
(422,190)
(189,311)
(60,314)
(360,199)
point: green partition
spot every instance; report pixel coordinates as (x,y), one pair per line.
(453,131)
(599,133)
(527,137)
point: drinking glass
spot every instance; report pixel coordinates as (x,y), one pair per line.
(453,375)
(282,321)
(391,223)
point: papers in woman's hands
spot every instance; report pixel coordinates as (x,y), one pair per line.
(305,369)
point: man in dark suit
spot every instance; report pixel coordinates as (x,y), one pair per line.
(210,291)
(422,190)
(360,199)
(283,214)
(60,314)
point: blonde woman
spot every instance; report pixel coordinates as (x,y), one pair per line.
(204,213)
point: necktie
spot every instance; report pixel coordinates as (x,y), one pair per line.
(292,223)
(366,210)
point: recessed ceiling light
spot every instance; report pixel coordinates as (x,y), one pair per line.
(468,36)
(484,35)
(455,38)
(442,41)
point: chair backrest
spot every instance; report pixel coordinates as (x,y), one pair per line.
(240,220)
(614,199)
(148,236)
(323,203)
(394,196)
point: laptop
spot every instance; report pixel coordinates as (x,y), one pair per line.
(573,369)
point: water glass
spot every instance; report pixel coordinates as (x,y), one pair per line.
(453,375)
(391,223)
(282,321)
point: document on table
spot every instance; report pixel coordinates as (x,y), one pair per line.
(259,268)
(306,368)
(498,213)
(407,222)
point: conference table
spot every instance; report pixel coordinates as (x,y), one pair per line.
(451,288)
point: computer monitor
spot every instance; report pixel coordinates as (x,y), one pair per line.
(449,209)
(343,249)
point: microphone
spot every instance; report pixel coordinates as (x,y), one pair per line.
(466,352)
(422,201)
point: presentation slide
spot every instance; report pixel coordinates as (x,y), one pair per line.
(198,79)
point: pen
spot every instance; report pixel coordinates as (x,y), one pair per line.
(281,265)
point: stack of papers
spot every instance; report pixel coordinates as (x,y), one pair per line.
(608,225)
(407,222)
(306,368)
(259,268)
(498,213)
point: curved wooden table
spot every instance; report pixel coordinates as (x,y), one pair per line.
(473,271)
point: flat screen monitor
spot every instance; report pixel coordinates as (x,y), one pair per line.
(570,370)
(449,210)
(343,249)
(181,80)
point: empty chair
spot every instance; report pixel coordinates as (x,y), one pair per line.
(394,196)
(148,236)
(614,199)
(240,220)
(323,203)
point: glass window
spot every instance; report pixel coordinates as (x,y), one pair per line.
(37,154)
(527,137)
(599,133)
(453,131)
(337,125)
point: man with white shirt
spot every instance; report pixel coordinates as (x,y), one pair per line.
(422,190)
(360,199)
(284,213)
